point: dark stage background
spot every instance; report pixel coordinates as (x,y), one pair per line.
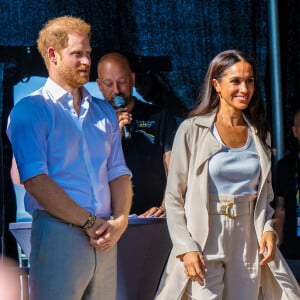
(169,42)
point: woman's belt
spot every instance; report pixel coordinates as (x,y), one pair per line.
(231,206)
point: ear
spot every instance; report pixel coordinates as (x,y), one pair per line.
(52,54)
(133,78)
(216,85)
(99,84)
(294,130)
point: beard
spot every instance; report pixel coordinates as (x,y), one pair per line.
(74,77)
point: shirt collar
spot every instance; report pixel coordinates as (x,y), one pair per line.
(57,93)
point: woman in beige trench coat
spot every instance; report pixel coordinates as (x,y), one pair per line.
(224,251)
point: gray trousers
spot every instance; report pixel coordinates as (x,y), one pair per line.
(64,266)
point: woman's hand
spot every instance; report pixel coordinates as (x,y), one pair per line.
(267,247)
(154,212)
(194,266)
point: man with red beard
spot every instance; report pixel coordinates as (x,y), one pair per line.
(69,156)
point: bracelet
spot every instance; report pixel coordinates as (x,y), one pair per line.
(89,223)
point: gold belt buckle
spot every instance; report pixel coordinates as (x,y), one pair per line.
(225,209)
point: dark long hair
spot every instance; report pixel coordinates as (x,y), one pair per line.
(208,99)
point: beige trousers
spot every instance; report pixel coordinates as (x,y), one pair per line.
(231,252)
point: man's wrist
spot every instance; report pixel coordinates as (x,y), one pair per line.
(90,222)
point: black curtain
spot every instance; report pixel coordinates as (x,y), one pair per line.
(7,196)
(290,64)
(189,32)
(2,203)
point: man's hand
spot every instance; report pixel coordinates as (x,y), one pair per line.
(154,212)
(124,117)
(105,234)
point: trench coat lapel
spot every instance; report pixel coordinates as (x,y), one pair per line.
(211,144)
(265,161)
(206,148)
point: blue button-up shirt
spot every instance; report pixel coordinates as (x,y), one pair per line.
(82,154)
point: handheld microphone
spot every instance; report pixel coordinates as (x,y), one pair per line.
(119,102)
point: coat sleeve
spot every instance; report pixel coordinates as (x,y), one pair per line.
(270,197)
(269,209)
(176,188)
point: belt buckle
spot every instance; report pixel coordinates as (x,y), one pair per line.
(225,209)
